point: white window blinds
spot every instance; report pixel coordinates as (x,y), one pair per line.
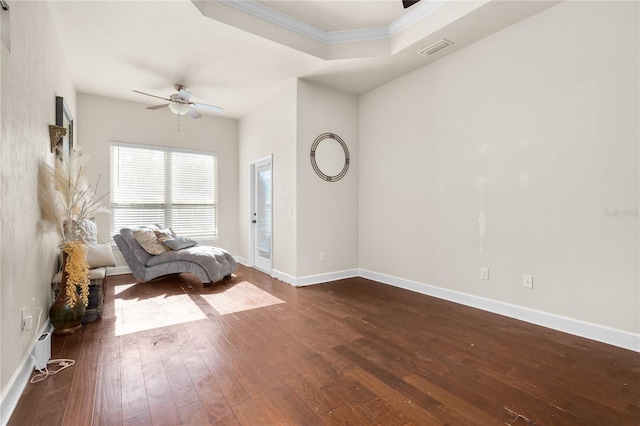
(172,188)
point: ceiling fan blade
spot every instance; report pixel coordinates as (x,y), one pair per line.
(206,107)
(158,106)
(153,96)
(408,3)
(193,113)
(184,94)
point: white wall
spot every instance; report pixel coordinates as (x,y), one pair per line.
(271,129)
(33,73)
(102,120)
(327,211)
(514,154)
(324,216)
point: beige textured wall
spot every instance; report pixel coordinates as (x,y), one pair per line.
(271,129)
(518,153)
(327,211)
(33,73)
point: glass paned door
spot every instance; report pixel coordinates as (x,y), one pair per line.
(262,215)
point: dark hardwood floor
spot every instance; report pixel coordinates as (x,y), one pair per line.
(255,351)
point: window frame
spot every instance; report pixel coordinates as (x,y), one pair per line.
(165,208)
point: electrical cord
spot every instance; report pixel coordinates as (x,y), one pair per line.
(44,373)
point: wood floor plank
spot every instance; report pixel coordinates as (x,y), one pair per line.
(348,352)
(403,388)
(227,381)
(400,402)
(362,414)
(181,387)
(108,389)
(456,407)
(143,420)
(213,402)
(53,412)
(250,413)
(133,393)
(108,418)
(157,386)
(164,415)
(384,414)
(79,409)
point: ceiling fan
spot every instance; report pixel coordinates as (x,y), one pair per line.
(180,103)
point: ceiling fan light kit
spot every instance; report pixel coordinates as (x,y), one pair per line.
(179,109)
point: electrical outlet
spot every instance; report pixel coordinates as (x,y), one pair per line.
(484,273)
(527,281)
(322,256)
(26,321)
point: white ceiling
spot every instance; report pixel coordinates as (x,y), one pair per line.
(237,60)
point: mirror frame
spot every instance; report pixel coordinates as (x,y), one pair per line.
(314,164)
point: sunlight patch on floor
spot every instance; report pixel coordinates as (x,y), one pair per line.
(140,314)
(240,297)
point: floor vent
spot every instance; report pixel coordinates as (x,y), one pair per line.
(438,45)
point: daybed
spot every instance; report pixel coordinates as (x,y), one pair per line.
(208,263)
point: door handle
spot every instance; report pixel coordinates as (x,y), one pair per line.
(253,221)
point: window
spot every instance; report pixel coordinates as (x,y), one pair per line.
(169,187)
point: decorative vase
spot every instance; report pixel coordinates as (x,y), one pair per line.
(64,318)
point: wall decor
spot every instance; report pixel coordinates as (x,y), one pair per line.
(55,134)
(64,119)
(330,157)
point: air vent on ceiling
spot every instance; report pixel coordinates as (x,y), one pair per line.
(438,45)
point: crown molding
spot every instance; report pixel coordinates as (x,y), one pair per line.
(362,34)
(276,17)
(290,23)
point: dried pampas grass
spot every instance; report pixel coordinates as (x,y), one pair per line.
(64,195)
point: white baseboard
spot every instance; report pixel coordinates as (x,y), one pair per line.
(612,336)
(19,380)
(243,261)
(327,277)
(289,279)
(313,279)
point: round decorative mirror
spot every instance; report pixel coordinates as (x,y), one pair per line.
(330,157)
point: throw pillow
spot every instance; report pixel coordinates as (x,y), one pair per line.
(147,239)
(179,243)
(165,234)
(100,255)
(86,231)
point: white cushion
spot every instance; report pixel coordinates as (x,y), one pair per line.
(100,255)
